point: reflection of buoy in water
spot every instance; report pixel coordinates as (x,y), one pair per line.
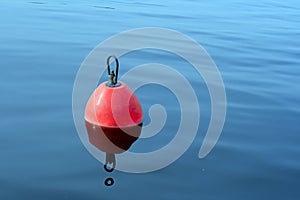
(113,117)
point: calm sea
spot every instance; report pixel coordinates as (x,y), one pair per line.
(256,46)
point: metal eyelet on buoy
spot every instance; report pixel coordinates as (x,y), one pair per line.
(113,117)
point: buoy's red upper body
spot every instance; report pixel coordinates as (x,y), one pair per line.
(113,118)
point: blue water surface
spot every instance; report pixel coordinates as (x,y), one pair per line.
(256,46)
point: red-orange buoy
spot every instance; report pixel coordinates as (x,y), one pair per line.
(113,116)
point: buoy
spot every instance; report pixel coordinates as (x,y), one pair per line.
(113,117)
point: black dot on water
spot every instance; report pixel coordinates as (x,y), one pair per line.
(109,182)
